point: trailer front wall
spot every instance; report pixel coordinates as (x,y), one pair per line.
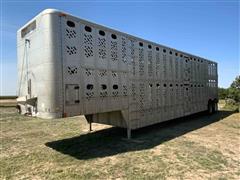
(39,66)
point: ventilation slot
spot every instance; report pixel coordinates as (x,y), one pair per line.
(71,50)
(88,29)
(115,86)
(103,86)
(124,50)
(103,94)
(70,33)
(114,36)
(141,62)
(157,63)
(134,92)
(141,99)
(72,70)
(71,24)
(102,33)
(150,68)
(115,90)
(102,48)
(90,86)
(103,73)
(88,72)
(89,95)
(165,66)
(88,45)
(115,93)
(114,74)
(132,52)
(114,55)
(124,90)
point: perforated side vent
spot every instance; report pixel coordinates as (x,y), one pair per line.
(88,45)
(71,50)
(103,73)
(72,70)
(114,74)
(124,90)
(171,64)
(141,99)
(114,55)
(132,52)
(88,72)
(157,63)
(165,66)
(157,58)
(176,69)
(103,90)
(115,90)
(70,33)
(115,93)
(89,91)
(141,62)
(102,48)
(89,95)
(124,50)
(133,91)
(150,68)
(103,94)
(71,24)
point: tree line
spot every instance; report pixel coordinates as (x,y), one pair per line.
(233,92)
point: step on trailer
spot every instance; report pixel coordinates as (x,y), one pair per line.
(68,66)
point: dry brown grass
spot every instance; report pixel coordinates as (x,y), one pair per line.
(197,147)
(8,102)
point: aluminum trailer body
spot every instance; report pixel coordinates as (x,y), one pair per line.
(68,66)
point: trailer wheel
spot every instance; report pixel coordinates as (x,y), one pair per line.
(215,106)
(210,107)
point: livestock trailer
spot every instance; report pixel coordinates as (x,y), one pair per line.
(68,66)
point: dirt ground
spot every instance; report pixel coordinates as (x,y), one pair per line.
(195,147)
(7,102)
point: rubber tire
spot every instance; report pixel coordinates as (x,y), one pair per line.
(215,107)
(210,108)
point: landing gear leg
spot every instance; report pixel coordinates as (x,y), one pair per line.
(89,120)
(90,126)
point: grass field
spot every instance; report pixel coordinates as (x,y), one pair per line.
(196,147)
